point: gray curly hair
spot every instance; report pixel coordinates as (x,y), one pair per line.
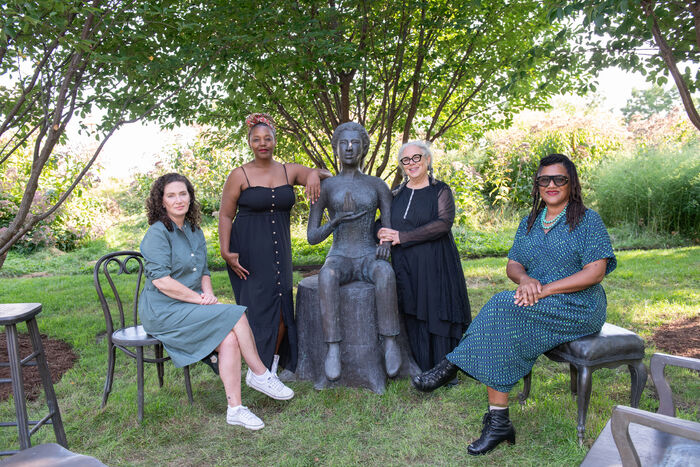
(425,147)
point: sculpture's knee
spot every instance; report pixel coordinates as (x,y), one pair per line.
(327,277)
(383,275)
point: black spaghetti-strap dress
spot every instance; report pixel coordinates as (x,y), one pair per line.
(260,235)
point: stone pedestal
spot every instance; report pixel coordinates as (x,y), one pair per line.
(362,353)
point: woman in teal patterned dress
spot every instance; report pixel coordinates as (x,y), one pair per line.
(178,305)
(560,254)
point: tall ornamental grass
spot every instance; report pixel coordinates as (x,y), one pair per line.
(657,190)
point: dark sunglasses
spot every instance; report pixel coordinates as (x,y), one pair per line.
(559,180)
(407,160)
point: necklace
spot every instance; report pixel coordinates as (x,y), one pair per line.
(546,225)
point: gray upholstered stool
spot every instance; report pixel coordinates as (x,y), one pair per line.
(10,315)
(611,347)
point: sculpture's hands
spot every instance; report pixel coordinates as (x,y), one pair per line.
(345,216)
(384,250)
(232,260)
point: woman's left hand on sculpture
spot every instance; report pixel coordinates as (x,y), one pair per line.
(313,186)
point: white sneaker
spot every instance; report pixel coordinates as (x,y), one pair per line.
(242,416)
(268,384)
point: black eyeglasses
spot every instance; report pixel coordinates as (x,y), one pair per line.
(559,180)
(407,160)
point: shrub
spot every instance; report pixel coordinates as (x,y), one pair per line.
(656,189)
(81,217)
(587,136)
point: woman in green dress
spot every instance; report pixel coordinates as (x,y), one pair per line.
(178,305)
(560,254)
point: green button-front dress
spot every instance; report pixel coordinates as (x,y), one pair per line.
(189,332)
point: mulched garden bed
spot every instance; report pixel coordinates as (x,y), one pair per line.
(681,337)
(59,355)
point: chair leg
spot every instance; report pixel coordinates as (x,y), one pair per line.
(17,386)
(159,365)
(527,382)
(638,374)
(188,385)
(43,367)
(112,352)
(139,381)
(583,398)
(573,378)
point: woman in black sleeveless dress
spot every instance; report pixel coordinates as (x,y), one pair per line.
(256,245)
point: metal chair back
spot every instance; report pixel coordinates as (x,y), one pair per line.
(106,268)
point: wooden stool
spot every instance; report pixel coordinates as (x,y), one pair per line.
(611,347)
(10,315)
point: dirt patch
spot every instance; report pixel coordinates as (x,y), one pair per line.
(308,270)
(60,358)
(681,337)
(35,274)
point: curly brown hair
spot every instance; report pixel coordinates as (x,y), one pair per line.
(154,203)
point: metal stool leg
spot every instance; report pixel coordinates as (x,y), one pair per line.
(527,383)
(583,398)
(17,386)
(45,374)
(638,374)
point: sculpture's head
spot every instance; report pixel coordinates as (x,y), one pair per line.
(350,143)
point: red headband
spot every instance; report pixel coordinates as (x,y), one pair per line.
(254,119)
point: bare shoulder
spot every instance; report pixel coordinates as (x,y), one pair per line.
(236,179)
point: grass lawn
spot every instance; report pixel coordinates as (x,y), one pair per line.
(346,426)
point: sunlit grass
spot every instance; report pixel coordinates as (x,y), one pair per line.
(347,426)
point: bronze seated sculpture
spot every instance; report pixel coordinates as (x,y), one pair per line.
(352,199)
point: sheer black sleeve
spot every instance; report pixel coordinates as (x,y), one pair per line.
(433,229)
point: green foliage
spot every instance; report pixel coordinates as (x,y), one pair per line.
(623,33)
(658,190)
(206,166)
(81,218)
(438,69)
(512,156)
(466,186)
(645,103)
(60,60)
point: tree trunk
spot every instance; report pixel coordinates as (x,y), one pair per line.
(2,259)
(667,55)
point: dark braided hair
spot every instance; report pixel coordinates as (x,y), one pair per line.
(154,203)
(575,210)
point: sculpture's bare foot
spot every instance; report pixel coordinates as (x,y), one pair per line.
(332,365)
(392,356)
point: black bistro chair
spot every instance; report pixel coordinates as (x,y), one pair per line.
(129,334)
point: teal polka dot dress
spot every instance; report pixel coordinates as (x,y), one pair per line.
(504,340)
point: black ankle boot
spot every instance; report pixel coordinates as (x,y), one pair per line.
(497,428)
(437,376)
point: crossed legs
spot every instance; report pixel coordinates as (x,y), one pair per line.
(237,343)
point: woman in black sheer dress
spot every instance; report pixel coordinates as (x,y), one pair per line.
(429,278)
